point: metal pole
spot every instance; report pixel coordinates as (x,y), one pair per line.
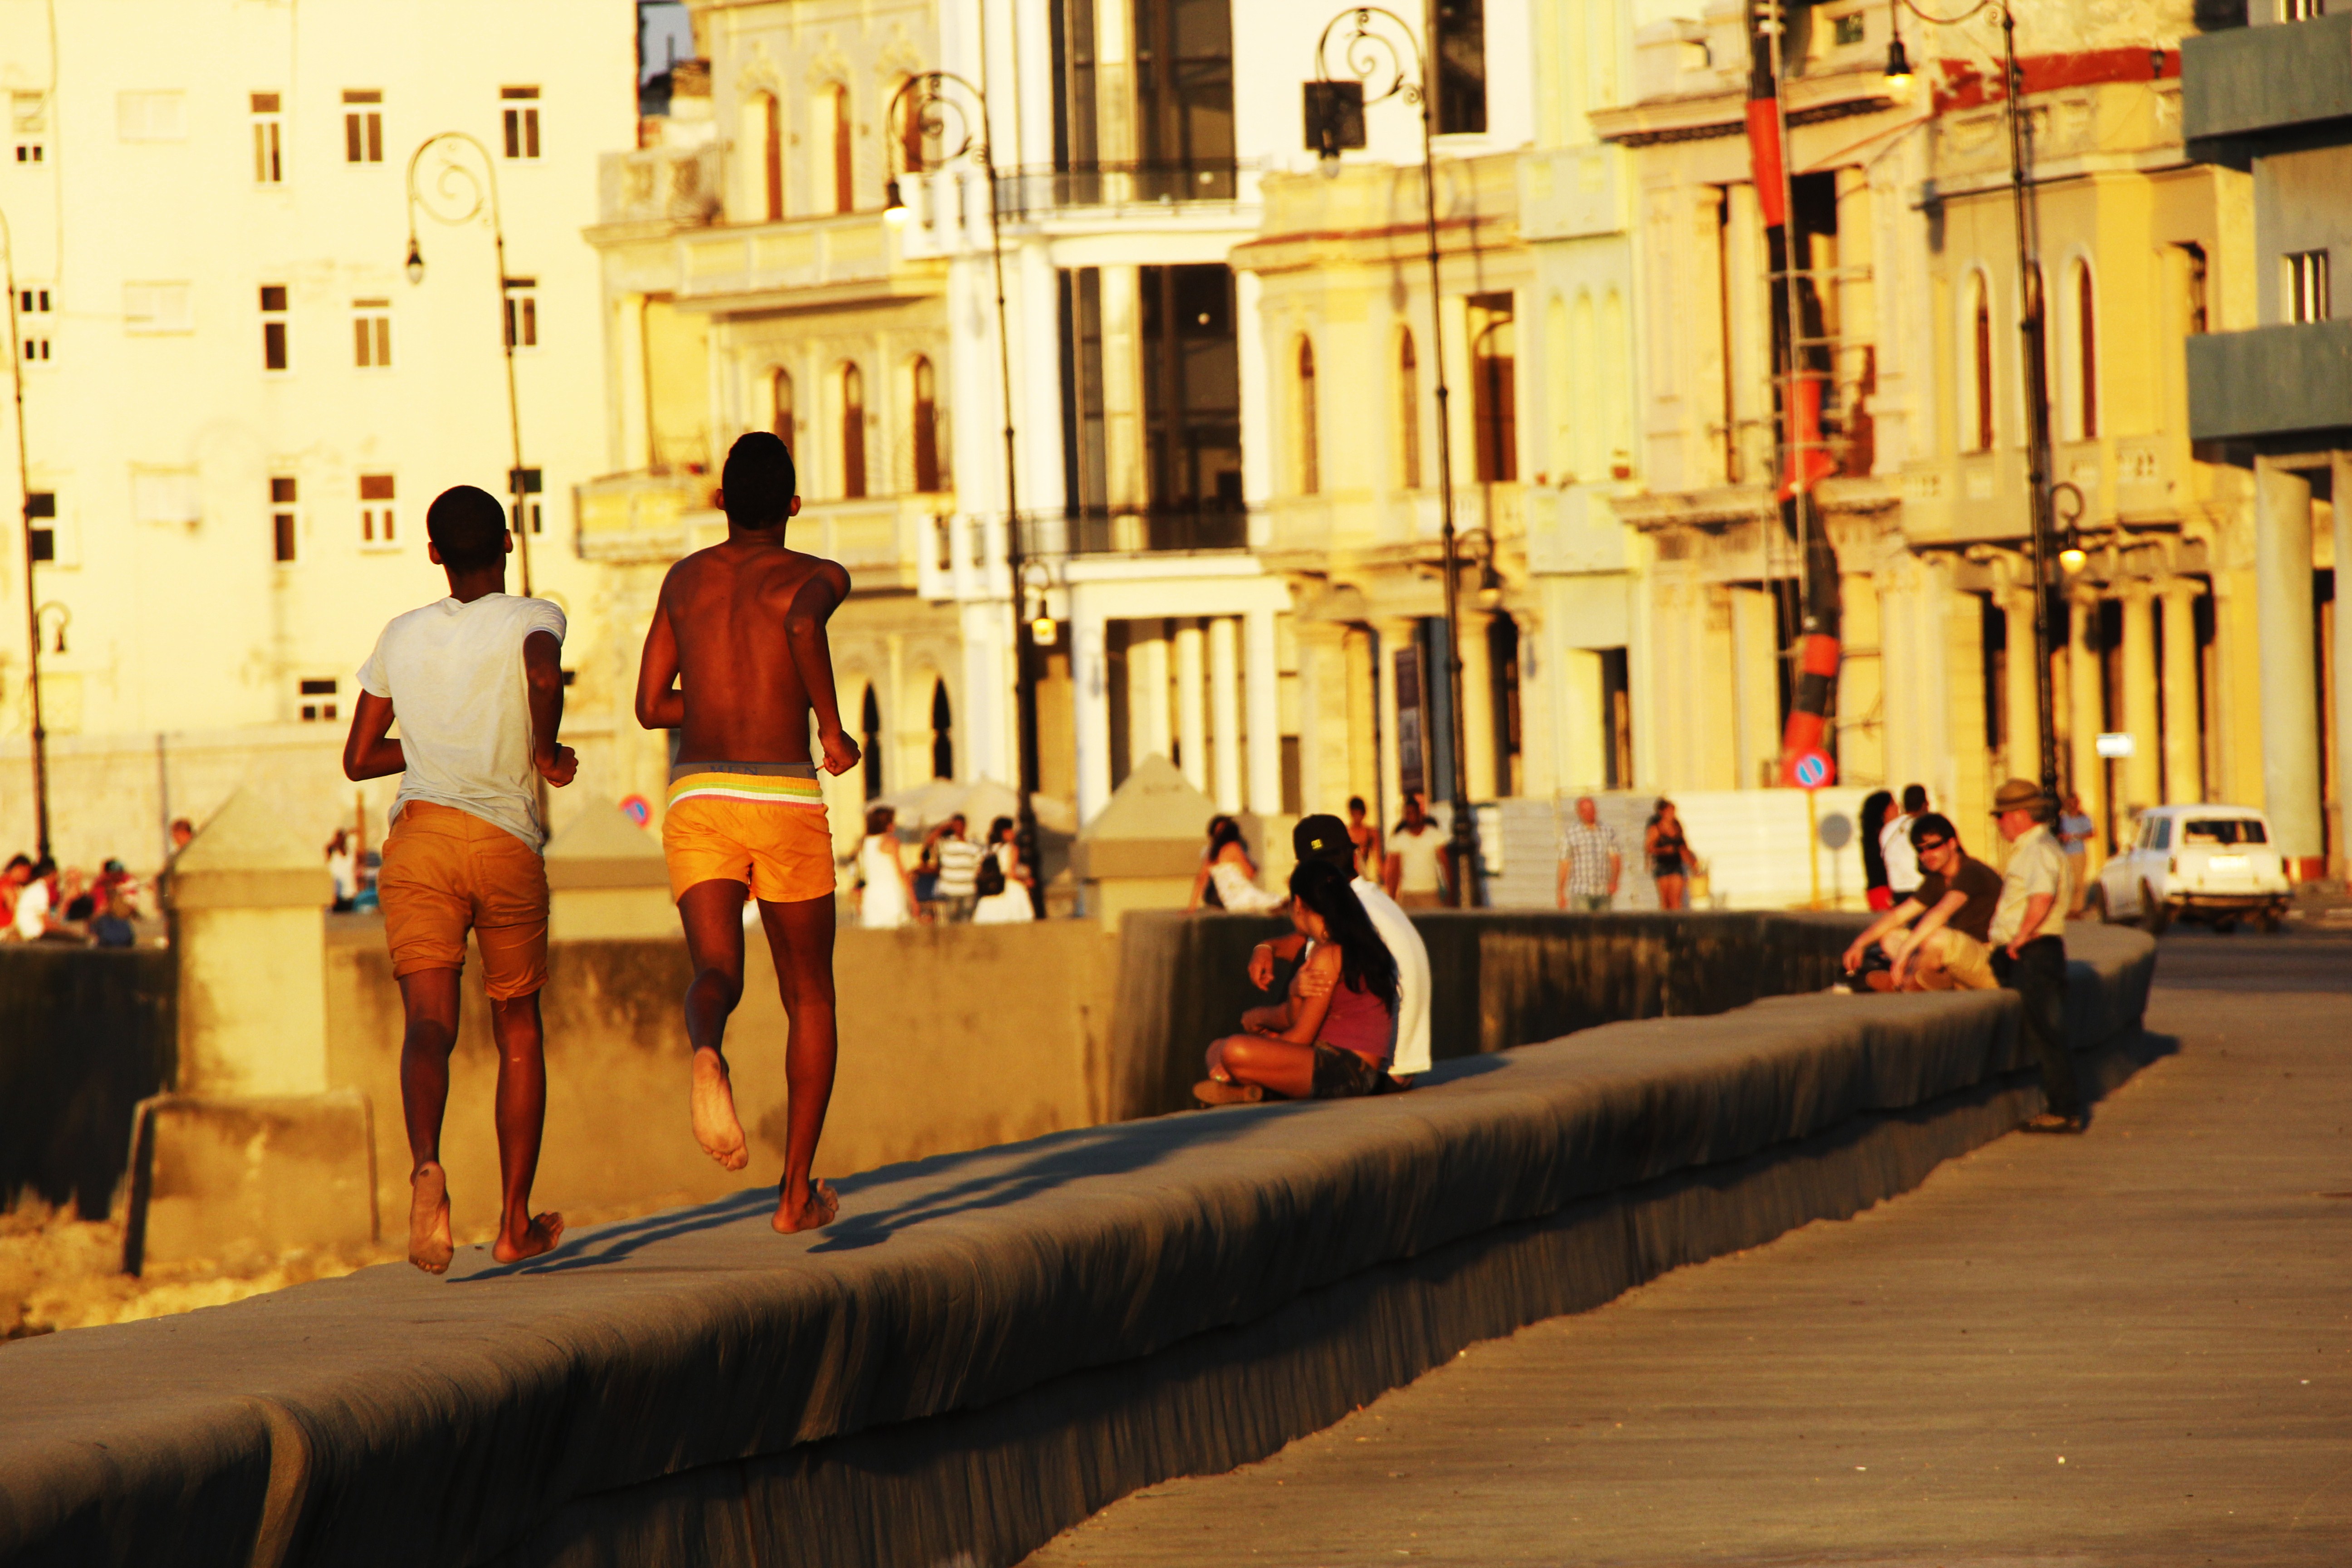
(32,603)
(514,409)
(1024,692)
(2030,325)
(1469,867)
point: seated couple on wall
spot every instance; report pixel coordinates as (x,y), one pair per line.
(1355,1020)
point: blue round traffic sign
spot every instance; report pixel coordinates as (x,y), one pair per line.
(1813,769)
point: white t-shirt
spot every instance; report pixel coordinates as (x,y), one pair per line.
(1902,860)
(1418,851)
(33,908)
(454,674)
(1411,956)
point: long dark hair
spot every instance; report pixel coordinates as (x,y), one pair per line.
(1875,807)
(1224,830)
(1001,829)
(1365,963)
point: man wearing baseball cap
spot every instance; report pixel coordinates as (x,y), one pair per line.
(1325,838)
(2028,942)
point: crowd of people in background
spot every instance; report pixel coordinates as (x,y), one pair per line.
(41,901)
(953,881)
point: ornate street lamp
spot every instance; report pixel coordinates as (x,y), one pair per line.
(1375,50)
(457,196)
(2033,328)
(942,110)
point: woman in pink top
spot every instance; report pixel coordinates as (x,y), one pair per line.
(1335,1046)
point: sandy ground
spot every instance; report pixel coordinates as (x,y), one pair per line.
(58,1271)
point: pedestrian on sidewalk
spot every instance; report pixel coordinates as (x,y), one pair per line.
(1590,860)
(957,890)
(2029,938)
(1672,860)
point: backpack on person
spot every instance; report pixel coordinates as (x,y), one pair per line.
(989,880)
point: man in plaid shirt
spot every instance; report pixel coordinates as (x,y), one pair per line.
(1589,860)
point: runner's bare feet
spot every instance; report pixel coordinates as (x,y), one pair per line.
(712,1106)
(817,1206)
(428,1218)
(540,1235)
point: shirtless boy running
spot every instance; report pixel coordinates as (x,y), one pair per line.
(741,626)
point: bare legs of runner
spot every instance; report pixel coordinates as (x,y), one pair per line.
(430,998)
(800,940)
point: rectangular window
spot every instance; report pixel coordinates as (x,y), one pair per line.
(522,121)
(269,166)
(273,326)
(33,302)
(1185,100)
(536,516)
(1850,30)
(375,508)
(158,307)
(2301,10)
(1192,407)
(150,116)
(41,543)
(372,334)
(31,114)
(31,153)
(281,517)
(1459,28)
(2306,286)
(362,126)
(522,313)
(317,701)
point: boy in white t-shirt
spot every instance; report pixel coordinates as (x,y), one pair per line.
(476,683)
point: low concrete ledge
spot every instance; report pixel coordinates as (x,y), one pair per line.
(988,1345)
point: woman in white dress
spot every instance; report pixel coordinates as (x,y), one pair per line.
(1009,905)
(889,900)
(1226,867)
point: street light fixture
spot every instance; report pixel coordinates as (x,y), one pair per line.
(458,196)
(943,110)
(2033,328)
(1374,52)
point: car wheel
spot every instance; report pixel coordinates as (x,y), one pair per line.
(2154,913)
(2267,922)
(2095,907)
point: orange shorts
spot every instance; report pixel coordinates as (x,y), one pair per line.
(446,872)
(760,823)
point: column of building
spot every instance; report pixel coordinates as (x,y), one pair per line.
(1225,695)
(2184,726)
(2290,696)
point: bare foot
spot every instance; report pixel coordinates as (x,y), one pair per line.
(428,1218)
(712,1107)
(539,1236)
(817,1206)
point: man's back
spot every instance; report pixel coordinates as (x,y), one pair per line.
(454,674)
(728,606)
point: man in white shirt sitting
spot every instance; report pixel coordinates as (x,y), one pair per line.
(1325,838)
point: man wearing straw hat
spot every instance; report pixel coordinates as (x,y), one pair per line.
(2029,943)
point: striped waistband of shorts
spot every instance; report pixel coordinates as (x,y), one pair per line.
(768,784)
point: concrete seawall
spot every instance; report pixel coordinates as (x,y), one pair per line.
(988,1345)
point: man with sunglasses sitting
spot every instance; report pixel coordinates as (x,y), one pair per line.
(1948,948)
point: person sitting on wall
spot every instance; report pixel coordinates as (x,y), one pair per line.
(1325,838)
(1332,1041)
(1935,939)
(1227,879)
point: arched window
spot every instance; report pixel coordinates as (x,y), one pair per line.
(942,732)
(780,404)
(1310,477)
(1493,388)
(1409,409)
(853,432)
(767,129)
(1979,403)
(869,725)
(833,147)
(2086,354)
(925,425)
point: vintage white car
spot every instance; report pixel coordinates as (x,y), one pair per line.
(2213,863)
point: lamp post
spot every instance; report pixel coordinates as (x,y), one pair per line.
(2034,341)
(1373,52)
(458,196)
(32,603)
(939,109)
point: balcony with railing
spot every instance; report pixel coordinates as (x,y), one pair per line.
(848,250)
(659,185)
